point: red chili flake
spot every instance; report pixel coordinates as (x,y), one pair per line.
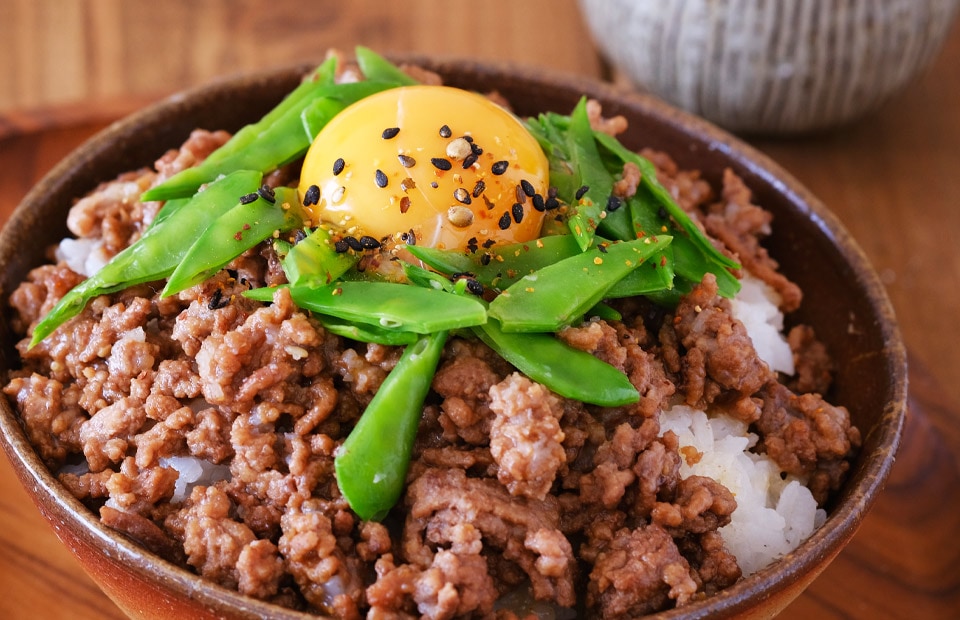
(663,260)
(404,204)
(238,235)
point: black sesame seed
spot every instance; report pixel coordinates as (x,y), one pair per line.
(248,198)
(662,213)
(552,191)
(468,138)
(613,203)
(369,243)
(441,163)
(340,246)
(527,187)
(504,221)
(580,192)
(499,167)
(217,301)
(299,235)
(478,188)
(551,203)
(311,196)
(406,161)
(354,243)
(475,149)
(485,259)
(390,132)
(538,202)
(445,131)
(602,248)
(474,287)
(517,212)
(266,192)
(380,178)
(488,243)
(434,184)
(338,166)
(461,195)
(469,160)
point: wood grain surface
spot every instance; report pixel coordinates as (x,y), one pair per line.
(893,178)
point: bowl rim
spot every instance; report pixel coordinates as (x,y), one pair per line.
(821,546)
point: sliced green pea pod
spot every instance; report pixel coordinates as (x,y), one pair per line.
(567,371)
(371,465)
(394,306)
(559,294)
(315,259)
(156,254)
(233,233)
(376,67)
(366,332)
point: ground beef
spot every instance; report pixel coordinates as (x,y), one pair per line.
(514,493)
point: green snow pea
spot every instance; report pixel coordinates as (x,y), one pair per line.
(371,465)
(396,306)
(376,67)
(569,372)
(366,332)
(559,294)
(233,233)
(315,259)
(158,252)
(273,144)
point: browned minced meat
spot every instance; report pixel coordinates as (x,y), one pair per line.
(514,493)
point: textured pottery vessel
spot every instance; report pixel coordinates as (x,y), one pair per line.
(771,66)
(811,245)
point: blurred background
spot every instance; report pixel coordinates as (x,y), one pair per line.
(891,172)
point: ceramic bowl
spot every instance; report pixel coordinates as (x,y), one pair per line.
(844,301)
(771,67)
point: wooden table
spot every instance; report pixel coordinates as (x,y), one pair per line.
(893,178)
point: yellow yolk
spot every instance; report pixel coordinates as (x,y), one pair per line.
(442,162)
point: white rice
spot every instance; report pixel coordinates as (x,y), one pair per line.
(774,513)
(193,472)
(84,256)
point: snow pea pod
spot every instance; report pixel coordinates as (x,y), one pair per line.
(376,67)
(233,233)
(270,145)
(500,266)
(395,306)
(371,465)
(559,294)
(156,254)
(315,259)
(569,372)
(366,332)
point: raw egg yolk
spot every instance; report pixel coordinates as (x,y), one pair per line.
(448,165)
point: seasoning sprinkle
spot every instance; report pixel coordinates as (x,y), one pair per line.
(311,196)
(406,161)
(517,212)
(504,221)
(527,187)
(478,188)
(461,217)
(407,184)
(475,148)
(613,203)
(538,203)
(369,243)
(217,301)
(404,204)
(521,197)
(340,246)
(462,195)
(380,178)
(266,192)
(551,203)
(353,243)
(390,132)
(474,287)
(248,198)
(580,192)
(499,167)
(338,166)
(445,131)
(485,259)
(469,160)
(441,163)
(458,149)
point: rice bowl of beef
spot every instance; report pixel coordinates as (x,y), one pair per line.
(843,301)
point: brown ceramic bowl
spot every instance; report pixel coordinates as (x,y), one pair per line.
(844,301)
